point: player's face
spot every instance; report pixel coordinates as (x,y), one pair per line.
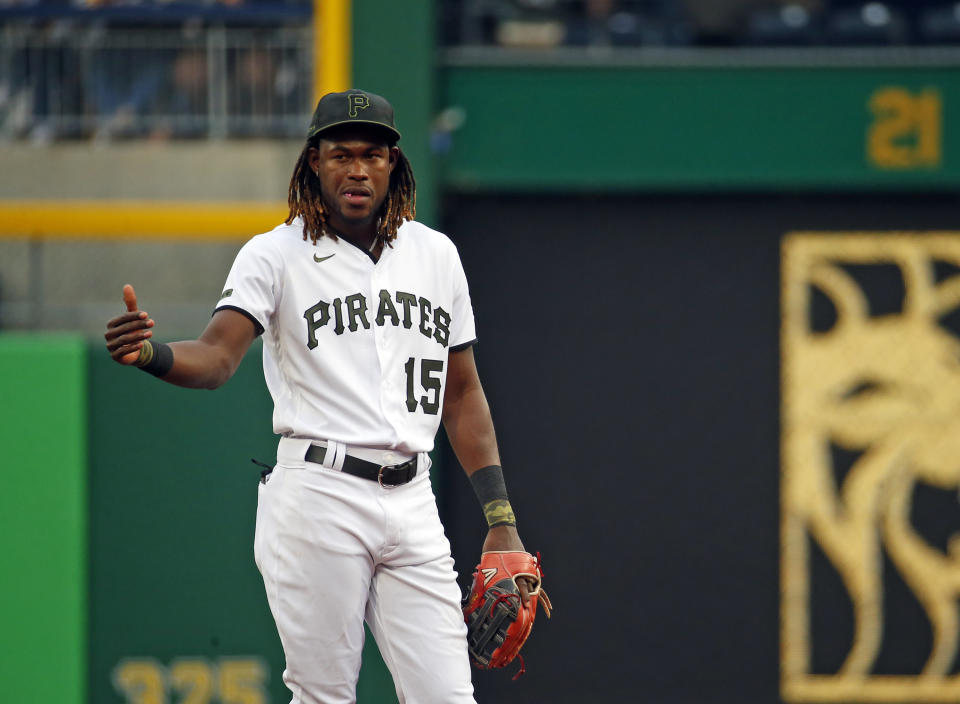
(354,170)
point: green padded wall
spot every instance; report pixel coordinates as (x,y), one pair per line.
(607,127)
(177,603)
(393,55)
(43,524)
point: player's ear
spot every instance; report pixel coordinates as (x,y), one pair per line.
(394,157)
(313,158)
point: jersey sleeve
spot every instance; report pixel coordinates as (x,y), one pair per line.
(253,284)
(463,331)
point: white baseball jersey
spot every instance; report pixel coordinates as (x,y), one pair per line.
(354,351)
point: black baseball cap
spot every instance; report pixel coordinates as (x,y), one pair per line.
(352,107)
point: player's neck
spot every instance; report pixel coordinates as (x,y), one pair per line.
(363,237)
(360,236)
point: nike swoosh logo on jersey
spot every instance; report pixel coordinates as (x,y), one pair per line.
(323,259)
(488,574)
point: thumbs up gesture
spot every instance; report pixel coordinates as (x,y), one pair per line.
(126,333)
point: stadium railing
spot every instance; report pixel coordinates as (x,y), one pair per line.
(155,70)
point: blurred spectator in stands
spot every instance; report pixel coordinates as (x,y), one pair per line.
(597,23)
(152,89)
(112,71)
(592,26)
(627,23)
(124,84)
(42,80)
(252,100)
(785,23)
(263,88)
(181,104)
(530,23)
(717,21)
(937,21)
(867,23)
(721,22)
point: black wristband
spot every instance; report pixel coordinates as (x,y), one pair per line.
(488,484)
(155,358)
(491,491)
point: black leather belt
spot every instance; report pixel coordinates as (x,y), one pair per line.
(386,475)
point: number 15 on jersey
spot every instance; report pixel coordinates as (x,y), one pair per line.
(429,383)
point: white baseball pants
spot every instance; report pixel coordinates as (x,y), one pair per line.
(336,550)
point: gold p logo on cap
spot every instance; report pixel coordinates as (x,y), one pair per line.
(357,101)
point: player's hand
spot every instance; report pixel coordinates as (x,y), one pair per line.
(506,538)
(126,333)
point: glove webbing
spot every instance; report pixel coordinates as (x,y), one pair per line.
(483,644)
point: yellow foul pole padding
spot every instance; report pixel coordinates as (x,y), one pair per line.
(332,46)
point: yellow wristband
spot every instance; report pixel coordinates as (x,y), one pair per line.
(146,355)
(499,513)
(155,358)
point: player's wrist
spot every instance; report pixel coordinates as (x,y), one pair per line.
(155,358)
(491,491)
(503,538)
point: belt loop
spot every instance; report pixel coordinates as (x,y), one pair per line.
(329,454)
(336,452)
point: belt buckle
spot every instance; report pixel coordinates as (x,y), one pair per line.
(391,466)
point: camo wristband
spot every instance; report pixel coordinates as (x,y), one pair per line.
(491,490)
(155,358)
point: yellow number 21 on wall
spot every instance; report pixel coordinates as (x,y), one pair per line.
(906,132)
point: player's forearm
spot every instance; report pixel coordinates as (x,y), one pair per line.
(470,430)
(198,365)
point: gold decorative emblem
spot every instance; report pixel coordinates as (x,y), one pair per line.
(883,389)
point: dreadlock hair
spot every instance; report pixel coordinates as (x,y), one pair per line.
(306,200)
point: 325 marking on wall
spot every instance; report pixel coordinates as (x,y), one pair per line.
(234,680)
(907,129)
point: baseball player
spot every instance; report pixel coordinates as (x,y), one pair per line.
(368,337)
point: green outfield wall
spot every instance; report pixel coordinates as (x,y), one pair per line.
(393,55)
(43,519)
(176,601)
(177,605)
(588,125)
(487,119)
(126,525)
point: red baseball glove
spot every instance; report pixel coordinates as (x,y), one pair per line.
(498,623)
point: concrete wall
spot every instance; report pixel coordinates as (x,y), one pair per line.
(70,284)
(76,285)
(202,170)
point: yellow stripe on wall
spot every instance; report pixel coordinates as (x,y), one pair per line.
(129,219)
(331,46)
